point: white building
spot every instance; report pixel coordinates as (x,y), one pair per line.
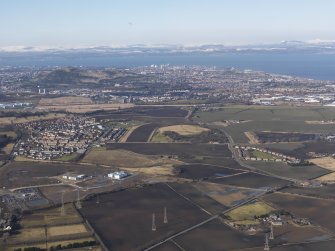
(118,175)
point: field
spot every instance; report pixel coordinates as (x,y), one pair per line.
(247,213)
(84,108)
(271,119)
(142,133)
(199,171)
(124,158)
(218,237)
(269,137)
(327,178)
(284,170)
(18,174)
(180,149)
(303,151)
(252,180)
(124,219)
(17,120)
(262,155)
(266,113)
(198,197)
(327,162)
(49,224)
(306,207)
(327,192)
(145,112)
(226,195)
(185,130)
(65,101)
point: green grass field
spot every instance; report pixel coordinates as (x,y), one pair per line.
(246,214)
(161,138)
(262,155)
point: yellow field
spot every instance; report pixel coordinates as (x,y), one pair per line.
(8,133)
(65,101)
(326,162)
(40,225)
(29,234)
(222,193)
(184,130)
(122,158)
(66,230)
(247,213)
(327,177)
(154,170)
(51,217)
(160,138)
(83,108)
(15,120)
(251,137)
(8,148)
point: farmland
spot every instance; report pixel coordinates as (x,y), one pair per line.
(326,162)
(303,151)
(285,170)
(181,149)
(269,137)
(125,158)
(226,195)
(218,237)
(187,166)
(266,113)
(199,171)
(184,130)
(251,180)
(311,208)
(18,174)
(127,216)
(142,133)
(49,227)
(247,213)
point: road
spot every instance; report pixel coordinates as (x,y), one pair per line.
(253,169)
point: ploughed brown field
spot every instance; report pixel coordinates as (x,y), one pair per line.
(124,219)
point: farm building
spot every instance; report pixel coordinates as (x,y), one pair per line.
(118,175)
(71,176)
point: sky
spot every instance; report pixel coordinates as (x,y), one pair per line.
(75,23)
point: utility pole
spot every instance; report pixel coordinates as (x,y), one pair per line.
(62,212)
(165,216)
(78,199)
(153,227)
(271,232)
(266,245)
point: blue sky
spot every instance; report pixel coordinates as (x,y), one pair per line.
(124,22)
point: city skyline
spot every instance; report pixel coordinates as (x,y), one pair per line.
(87,23)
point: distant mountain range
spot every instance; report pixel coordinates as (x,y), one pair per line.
(313,46)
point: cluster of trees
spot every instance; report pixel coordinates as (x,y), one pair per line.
(74,245)
(30,249)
